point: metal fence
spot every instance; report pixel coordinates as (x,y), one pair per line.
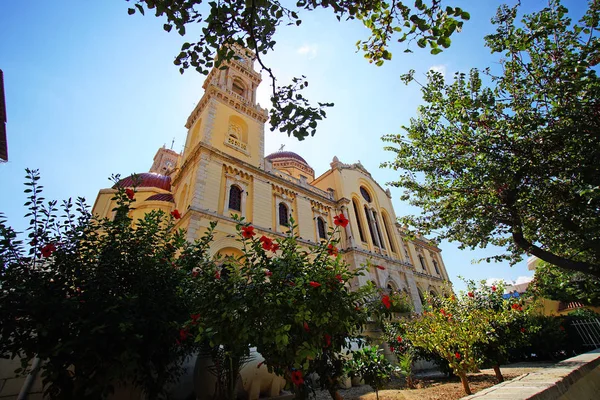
(589,331)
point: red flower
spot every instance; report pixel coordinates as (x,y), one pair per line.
(274,247)
(314,284)
(183,334)
(493,288)
(267,243)
(562,328)
(386,301)
(130,193)
(392,349)
(248,232)
(291,283)
(327,340)
(332,250)
(195,273)
(339,278)
(217,275)
(442,311)
(470,294)
(340,220)
(457,355)
(523,330)
(515,306)
(305,325)
(297,378)
(195,318)
(380,267)
(268,273)
(399,339)
(357,308)
(175,214)
(48,249)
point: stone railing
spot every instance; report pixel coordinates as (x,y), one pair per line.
(237,144)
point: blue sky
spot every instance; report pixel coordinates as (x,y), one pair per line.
(92,91)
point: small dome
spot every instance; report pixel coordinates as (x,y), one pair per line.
(146,179)
(162,197)
(285,154)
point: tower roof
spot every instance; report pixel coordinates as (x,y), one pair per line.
(145,179)
(285,154)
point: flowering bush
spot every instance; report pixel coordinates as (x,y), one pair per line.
(99,301)
(370,364)
(294,304)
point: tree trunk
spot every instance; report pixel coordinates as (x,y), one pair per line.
(465,382)
(498,373)
(335,395)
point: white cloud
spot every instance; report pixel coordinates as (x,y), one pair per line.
(439,68)
(523,279)
(309,50)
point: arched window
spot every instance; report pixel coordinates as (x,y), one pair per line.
(435,265)
(235,198)
(283,214)
(388,232)
(422,261)
(321,228)
(360,231)
(370,223)
(381,242)
(238,87)
(365,194)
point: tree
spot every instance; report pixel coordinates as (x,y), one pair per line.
(561,285)
(513,164)
(253,24)
(371,365)
(100,302)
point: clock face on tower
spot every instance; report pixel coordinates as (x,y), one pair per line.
(168,164)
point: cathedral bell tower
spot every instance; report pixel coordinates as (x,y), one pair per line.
(227,116)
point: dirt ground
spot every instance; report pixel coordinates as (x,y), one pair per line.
(435,386)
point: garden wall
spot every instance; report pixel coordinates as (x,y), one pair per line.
(576,378)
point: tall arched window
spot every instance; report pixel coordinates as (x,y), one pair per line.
(437,269)
(378,228)
(365,194)
(422,261)
(370,223)
(238,87)
(283,214)
(235,198)
(321,228)
(388,232)
(360,230)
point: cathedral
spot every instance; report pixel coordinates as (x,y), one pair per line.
(223,171)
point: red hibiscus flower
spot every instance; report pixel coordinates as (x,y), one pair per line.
(443,312)
(386,301)
(48,249)
(493,288)
(248,232)
(327,340)
(340,220)
(195,273)
(297,378)
(380,267)
(515,306)
(195,318)
(314,284)
(305,325)
(130,193)
(470,294)
(183,334)
(175,214)
(275,247)
(332,250)
(399,339)
(457,355)
(392,349)
(217,274)
(268,273)
(523,330)
(267,243)
(339,278)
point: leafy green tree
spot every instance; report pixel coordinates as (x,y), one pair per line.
(515,163)
(252,24)
(371,365)
(558,284)
(99,301)
(295,305)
